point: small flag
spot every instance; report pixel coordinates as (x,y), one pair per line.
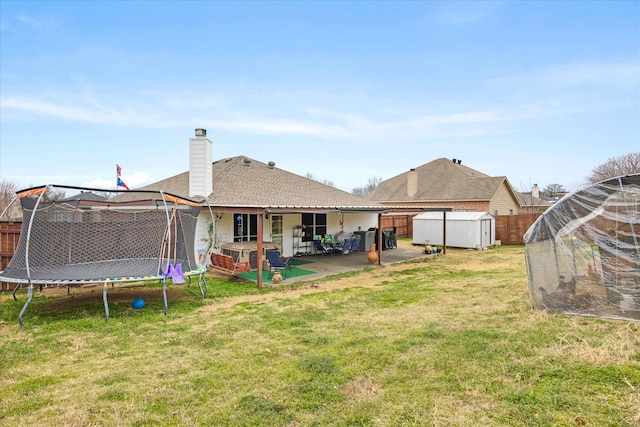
(122,184)
(118,170)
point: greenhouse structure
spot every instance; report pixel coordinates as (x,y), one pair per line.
(583,254)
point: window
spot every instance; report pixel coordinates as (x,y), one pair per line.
(314,225)
(245,228)
(276,228)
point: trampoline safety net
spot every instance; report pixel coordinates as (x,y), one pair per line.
(103,236)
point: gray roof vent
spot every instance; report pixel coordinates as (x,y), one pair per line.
(272,165)
(247,162)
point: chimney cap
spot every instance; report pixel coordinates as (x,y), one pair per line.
(201,132)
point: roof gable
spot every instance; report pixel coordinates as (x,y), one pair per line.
(440,180)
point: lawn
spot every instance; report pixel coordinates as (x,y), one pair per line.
(440,341)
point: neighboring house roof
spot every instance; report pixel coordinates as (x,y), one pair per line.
(86,196)
(441,180)
(528,200)
(244,182)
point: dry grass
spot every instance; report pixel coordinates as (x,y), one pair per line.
(448,340)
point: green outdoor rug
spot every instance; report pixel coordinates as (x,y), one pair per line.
(294,272)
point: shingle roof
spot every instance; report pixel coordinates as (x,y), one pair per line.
(527,199)
(244,182)
(439,180)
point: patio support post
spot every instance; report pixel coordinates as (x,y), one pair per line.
(444,232)
(259,249)
(379,248)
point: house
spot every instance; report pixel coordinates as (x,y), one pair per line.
(533,202)
(447,182)
(251,206)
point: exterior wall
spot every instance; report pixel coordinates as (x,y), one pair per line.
(336,222)
(469,206)
(503,203)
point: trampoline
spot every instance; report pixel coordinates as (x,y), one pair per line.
(104,236)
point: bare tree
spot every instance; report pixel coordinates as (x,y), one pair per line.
(554,190)
(7,192)
(363,191)
(323,181)
(51,196)
(616,166)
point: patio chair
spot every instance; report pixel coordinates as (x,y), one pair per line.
(346,247)
(355,243)
(277,263)
(321,248)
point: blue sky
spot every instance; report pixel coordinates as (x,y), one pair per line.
(539,92)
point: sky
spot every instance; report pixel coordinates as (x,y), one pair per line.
(540,92)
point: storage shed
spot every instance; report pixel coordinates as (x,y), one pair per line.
(464,229)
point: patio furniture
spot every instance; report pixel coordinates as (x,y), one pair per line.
(355,243)
(346,247)
(227,264)
(321,248)
(277,263)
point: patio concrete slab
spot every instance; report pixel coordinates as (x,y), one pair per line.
(327,265)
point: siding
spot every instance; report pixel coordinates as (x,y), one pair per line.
(503,202)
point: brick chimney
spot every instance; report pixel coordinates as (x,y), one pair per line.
(412,183)
(200,160)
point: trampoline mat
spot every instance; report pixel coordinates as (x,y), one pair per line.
(97,271)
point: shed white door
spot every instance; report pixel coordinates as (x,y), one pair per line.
(485,232)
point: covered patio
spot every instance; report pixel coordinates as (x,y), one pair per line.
(312,267)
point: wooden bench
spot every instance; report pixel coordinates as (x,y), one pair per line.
(227,264)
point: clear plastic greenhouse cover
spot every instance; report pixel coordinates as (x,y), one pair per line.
(583,254)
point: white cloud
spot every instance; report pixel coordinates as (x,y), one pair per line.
(135,180)
(603,73)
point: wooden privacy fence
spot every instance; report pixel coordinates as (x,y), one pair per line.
(402,223)
(510,229)
(9,236)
